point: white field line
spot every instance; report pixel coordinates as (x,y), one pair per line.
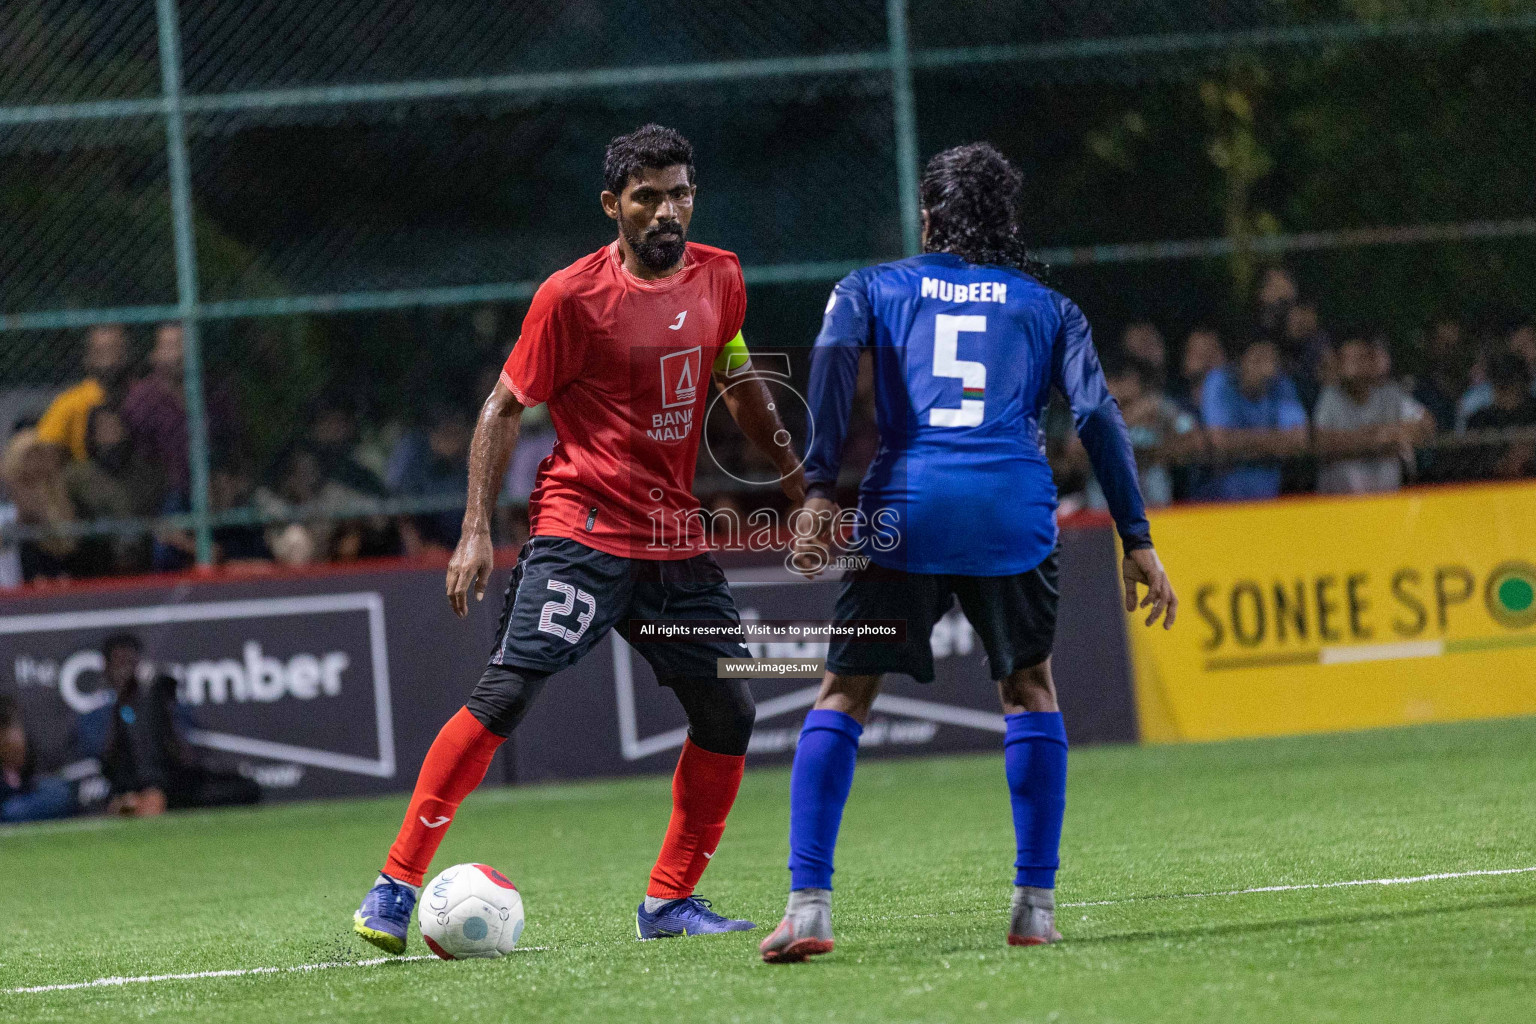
(1244,892)
(1441,876)
(242,972)
(235,973)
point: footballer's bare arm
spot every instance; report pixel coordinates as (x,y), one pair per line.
(489,451)
(751,405)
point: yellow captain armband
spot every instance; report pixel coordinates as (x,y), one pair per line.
(733,355)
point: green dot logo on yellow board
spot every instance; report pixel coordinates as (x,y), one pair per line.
(1511,594)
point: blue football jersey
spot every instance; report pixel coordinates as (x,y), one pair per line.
(965,357)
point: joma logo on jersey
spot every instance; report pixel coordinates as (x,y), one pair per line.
(680,377)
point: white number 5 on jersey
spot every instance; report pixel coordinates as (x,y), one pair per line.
(946,363)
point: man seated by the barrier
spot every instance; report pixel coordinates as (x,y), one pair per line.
(24,794)
(151,766)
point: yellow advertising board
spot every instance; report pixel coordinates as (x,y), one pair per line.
(1321,614)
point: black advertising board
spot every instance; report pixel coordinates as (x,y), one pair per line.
(334,683)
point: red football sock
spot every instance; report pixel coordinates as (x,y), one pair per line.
(454,766)
(703,790)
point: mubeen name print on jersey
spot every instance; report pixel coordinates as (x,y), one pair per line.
(951,291)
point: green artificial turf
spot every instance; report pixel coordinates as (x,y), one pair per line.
(922,888)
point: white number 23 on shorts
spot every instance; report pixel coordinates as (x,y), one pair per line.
(547,623)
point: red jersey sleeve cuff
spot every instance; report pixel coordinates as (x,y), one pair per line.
(517,392)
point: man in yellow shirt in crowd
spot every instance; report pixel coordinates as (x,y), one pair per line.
(106,372)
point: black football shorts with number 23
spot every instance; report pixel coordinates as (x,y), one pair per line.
(564,597)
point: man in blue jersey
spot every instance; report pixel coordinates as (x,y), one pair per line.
(967,345)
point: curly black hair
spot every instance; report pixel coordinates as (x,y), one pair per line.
(649,146)
(971,195)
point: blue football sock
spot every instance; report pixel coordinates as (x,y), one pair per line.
(1035,758)
(818,789)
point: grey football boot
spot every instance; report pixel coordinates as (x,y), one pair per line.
(1033,921)
(806,930)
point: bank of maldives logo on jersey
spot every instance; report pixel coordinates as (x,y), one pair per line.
(681,374)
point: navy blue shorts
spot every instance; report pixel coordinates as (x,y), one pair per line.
(564,597)
(1015,617)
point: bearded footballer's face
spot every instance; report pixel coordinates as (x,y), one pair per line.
(653,213)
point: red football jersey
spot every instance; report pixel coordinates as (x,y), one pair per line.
(625,366)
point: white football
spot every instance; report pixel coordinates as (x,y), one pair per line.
(471,910)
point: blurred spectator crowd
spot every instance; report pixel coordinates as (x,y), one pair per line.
(1288,404)
(112,450)
(1283,403)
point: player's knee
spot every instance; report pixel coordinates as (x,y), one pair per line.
(746,715)
(721,714)
(503,696)
(1030,688)
(735,727)
(850,694)
(732,723)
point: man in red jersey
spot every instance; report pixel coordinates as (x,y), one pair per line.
(617,344)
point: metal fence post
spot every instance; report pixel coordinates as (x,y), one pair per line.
(186,273)
(906,125)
